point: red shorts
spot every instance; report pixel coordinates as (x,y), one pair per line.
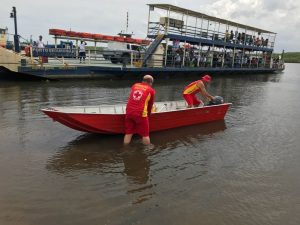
(192,100)
(137,125)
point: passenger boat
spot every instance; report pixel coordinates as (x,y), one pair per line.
(200,48)
(109,119)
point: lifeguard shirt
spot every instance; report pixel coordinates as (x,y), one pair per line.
(192,88)
(140,100)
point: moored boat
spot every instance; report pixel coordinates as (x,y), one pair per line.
(186,43)
(109,119)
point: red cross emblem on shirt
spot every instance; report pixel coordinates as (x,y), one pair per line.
(137,94)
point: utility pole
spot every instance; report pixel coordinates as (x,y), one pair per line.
(13,15)
(127,18)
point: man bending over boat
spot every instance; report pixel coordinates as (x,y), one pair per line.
(198,86)
(138,109)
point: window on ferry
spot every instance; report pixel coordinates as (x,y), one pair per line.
(134,47)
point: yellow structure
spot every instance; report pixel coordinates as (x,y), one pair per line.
(3,37)
(10,59)
(156,59)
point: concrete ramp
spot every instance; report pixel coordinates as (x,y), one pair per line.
(9,63)
(10,60)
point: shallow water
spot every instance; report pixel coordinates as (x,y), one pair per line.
(244,170)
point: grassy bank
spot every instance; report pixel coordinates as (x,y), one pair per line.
(291,57)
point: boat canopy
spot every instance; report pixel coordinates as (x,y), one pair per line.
(188,12)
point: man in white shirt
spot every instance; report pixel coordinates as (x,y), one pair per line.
(82,51)
(40,43)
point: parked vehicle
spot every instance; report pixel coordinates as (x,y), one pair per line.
(121,52)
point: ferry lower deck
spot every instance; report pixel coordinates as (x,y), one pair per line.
(128,73)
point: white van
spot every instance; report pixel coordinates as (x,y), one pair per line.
(121,51)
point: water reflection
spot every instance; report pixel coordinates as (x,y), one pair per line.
(174,137)
(129,166)
(89,90)
(88,152)
(106,154)
(243,89)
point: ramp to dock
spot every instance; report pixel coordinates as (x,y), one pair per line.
(10,59)
(9,63)
(151,49)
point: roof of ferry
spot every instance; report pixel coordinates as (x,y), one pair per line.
(207,17)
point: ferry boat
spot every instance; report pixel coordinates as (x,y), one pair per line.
(179,42)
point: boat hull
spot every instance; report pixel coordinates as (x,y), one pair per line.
(114,123)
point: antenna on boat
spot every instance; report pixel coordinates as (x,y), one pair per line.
(126,34)
(127,22)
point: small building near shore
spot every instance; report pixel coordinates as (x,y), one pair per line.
(3,37)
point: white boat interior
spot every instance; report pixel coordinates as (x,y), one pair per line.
(158,107)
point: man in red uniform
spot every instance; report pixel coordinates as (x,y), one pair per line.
(198,86)
(138,109)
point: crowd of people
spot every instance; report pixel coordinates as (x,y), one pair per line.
(191,57)
(243,38)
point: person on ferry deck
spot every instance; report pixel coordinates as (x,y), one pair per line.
(40,43)
(198,86)
(138,110)
(82,51)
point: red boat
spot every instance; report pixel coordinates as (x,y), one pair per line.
(109,119)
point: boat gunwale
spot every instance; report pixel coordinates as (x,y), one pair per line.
(52,109)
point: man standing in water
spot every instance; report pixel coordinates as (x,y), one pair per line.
(138,109)
(198,86)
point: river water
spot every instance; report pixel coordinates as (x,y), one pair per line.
(243,170)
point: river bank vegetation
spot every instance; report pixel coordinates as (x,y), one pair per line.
(290,57)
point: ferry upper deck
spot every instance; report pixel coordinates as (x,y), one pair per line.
(182,24)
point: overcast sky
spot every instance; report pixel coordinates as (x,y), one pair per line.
(36,17)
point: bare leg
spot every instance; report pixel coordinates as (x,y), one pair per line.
(127,138)
(146,140)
